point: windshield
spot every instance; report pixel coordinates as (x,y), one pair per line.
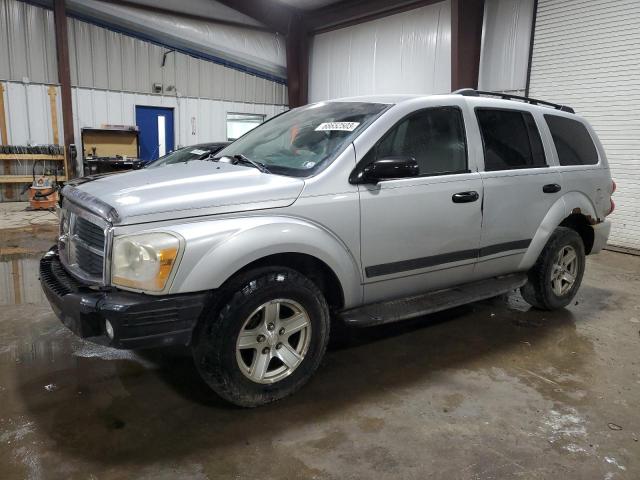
(302,141)
(194,152)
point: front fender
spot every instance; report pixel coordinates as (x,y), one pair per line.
(217,249)
(571,202)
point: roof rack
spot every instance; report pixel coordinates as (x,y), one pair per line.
(470,92)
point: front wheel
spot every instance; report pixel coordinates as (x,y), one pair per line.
(267,340)
(557,274)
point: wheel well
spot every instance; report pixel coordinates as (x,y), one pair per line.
(580,223)
(314,269)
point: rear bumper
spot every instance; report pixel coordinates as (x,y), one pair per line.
(138,320)
(600,235)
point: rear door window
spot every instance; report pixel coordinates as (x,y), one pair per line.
(572,140)
(511,140)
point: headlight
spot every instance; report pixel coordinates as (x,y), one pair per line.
(144,262)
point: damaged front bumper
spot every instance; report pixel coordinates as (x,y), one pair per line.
(136,320)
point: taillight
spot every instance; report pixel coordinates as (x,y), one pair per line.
(613,186)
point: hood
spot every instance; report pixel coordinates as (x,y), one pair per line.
(185,190)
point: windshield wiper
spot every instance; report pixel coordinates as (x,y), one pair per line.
(239,158)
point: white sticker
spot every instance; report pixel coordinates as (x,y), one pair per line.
(339,126)
(198,152)
(309,164)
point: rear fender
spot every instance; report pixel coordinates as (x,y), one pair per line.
(571,202)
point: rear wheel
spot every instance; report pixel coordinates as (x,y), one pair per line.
(557,274)
(267,340)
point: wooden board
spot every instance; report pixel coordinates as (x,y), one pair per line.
(24,178)
(110,143)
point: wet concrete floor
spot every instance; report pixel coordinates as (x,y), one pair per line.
(493,390)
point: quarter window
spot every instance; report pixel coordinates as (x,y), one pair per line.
(572,140)
(434,137)
(511,140)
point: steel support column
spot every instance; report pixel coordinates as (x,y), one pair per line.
(64,78)
(466,39)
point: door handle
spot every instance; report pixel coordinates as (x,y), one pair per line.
(465,197)
(551,188)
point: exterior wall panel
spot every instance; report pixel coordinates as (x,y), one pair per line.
(408,52)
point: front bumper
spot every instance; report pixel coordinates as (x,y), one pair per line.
(138,320)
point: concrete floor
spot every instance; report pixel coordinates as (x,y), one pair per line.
(492,390)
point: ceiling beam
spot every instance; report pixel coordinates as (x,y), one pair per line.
(269,12)
(353,12)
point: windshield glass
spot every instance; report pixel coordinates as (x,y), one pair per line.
(194,152)
(302,141)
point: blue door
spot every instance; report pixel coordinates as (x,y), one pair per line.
(156,131)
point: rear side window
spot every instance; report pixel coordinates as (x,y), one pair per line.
(511,140)
(572,140)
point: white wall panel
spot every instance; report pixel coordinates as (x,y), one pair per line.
(506,35)
(409,52)
(587,54)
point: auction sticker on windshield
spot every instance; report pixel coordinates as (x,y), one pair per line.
(198,152)
(337,126)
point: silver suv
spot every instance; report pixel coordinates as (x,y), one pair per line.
(365,211)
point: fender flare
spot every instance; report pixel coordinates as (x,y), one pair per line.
(570,202)
(248,239)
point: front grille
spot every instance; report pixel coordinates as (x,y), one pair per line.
(88,260)
(90,233)
(82,244)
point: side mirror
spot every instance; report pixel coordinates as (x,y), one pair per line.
(385,169)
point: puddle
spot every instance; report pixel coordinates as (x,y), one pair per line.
(19,282)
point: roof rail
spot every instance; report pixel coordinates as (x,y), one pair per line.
(470,92)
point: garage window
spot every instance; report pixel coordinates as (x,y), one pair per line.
(511,140)
(240,123)
(572,140)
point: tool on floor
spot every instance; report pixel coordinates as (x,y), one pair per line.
(43,192)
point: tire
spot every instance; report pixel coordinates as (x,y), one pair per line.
(252,304)
(548,286)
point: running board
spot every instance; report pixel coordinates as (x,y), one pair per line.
(405,308)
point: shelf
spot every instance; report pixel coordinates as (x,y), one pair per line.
(30,156)
(25,178)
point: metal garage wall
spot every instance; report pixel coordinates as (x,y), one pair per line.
(101,58)
(506,37)
(586,54)
(197,119)
(409,52)
(27,43)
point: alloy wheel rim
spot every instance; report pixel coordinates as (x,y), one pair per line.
(564,270)
(273,341)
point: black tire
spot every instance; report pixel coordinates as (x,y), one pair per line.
(214,345)
(538,291)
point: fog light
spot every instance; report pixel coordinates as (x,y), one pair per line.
(109,328)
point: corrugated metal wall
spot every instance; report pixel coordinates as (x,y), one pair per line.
(506,37)
(587,55)
(409,52)
(109,60)
(29,117)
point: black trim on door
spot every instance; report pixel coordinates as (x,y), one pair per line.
(432,261)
